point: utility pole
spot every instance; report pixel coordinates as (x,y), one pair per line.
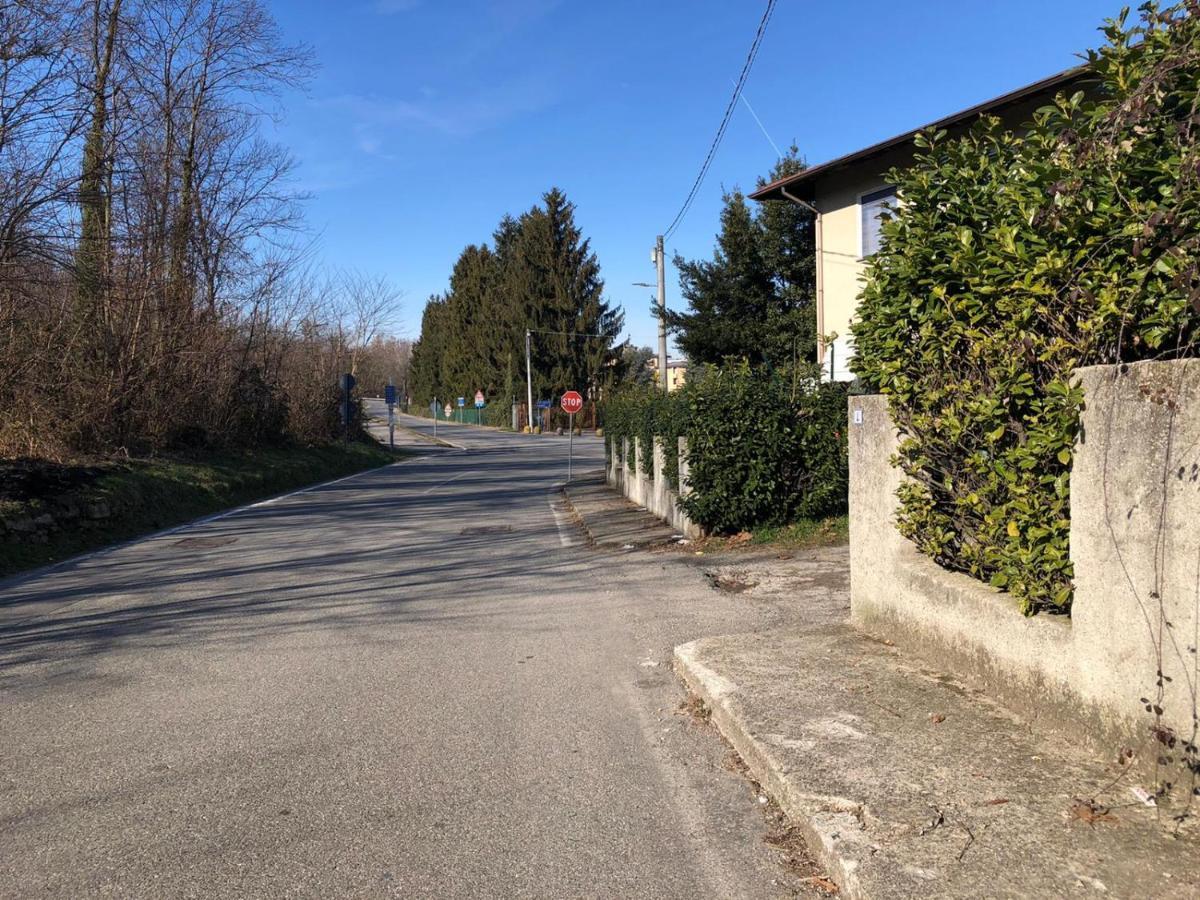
(529,381)
(660,261)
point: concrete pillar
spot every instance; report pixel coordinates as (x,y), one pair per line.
(625,486)
(1135,504)
(874,540)
(682,487)
(639,480)
(660,504)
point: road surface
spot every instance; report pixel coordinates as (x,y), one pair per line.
(416,681)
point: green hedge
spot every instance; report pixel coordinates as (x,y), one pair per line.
(757,455)
(760,452)
(644,412)
(1013,260)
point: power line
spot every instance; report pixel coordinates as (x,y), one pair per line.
(737,92)
(567,333)
(761,126)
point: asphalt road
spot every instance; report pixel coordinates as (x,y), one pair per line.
(413,682)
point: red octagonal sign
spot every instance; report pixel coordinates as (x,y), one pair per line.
(572,402)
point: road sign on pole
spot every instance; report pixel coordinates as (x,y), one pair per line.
(572,403)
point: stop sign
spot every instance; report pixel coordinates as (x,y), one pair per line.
(572,402)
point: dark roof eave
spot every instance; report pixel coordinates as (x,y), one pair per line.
(795,184)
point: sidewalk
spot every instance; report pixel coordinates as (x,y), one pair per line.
(906,783)
(610,520)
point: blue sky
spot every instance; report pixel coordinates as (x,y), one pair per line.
(430,119)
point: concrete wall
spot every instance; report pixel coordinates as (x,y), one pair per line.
(653,492)
(1135,544)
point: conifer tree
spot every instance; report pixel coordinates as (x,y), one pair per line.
(754,299)
(540,274)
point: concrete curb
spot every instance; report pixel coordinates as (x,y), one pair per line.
(824,821)
(564,491)
(617,523)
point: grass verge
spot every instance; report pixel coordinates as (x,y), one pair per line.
(805,533)
(107,502)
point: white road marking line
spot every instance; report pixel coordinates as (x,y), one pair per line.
(434,487)
(566,528)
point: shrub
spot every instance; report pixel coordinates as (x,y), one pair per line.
(644,412)
(759,456)
(1013,260)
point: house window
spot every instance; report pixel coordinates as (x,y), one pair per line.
(876,207)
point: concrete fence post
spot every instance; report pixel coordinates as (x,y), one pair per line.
(625,486)
(639,481)
(682,487)
(660,504)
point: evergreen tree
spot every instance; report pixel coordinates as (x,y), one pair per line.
(425,372)
(754,299)
(540,275)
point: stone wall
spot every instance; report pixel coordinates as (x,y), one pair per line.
(67,512)
(1135,544)
(654,492)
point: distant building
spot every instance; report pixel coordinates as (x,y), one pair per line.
(849,194)
(676,372)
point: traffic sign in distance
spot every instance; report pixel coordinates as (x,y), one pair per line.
(572,402)
(479,399)
(448,410)
(389,394)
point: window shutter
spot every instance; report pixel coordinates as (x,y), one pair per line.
(873,206)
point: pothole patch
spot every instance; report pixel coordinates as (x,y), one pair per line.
(205,543)
(731,581)
(486,529)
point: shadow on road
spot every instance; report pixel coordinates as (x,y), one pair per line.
(386,547)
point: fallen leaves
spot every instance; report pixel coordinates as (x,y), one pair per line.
(821,883)
(1091,812)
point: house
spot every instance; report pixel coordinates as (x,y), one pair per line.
(676,372)
(848,195)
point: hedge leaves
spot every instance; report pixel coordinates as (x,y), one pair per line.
(1011,261)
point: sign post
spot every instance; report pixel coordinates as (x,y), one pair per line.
(347,383)
(389,397)
(572,403)
(433,409)
(462,402)
(479,401)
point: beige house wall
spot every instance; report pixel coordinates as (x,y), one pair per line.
(841,262)
(840,265)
